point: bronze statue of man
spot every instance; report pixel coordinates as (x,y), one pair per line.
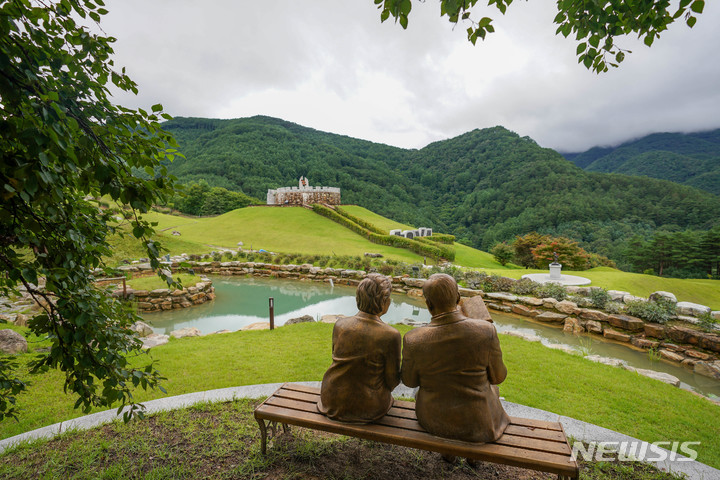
(358,386)
(456,361)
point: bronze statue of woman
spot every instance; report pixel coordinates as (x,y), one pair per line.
(358,386)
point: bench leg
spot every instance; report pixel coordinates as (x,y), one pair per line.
(263,436)
(269,431)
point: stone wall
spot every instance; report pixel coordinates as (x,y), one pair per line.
(304,196)
(694,349)
(166,299)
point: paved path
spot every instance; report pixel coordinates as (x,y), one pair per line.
(576,429)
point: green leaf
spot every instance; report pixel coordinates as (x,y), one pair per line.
(697,6)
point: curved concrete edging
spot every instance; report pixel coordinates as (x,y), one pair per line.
(576,429)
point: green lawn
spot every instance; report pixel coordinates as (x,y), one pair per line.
(152,282)
(379,221)
(471,257)
(538,377)
(127,247)
(703,291)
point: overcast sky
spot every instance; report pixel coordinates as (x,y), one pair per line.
(331,65)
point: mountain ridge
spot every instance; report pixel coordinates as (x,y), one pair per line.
(688,158)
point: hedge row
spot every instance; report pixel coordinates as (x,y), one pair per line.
(442,238)
(448,251)
(359,221)
(437,238)
(425,249)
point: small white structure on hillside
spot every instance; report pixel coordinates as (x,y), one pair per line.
(420,232)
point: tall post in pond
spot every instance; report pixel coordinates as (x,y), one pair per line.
(271,302)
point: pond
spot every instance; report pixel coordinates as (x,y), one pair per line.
(242,301)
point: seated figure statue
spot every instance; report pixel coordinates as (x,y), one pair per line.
(366,358)
(456,361)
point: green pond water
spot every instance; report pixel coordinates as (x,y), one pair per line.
(242,301)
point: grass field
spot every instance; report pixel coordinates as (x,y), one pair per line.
(153,282)
(703,291)
(538,377)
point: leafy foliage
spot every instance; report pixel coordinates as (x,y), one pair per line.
(525,286)
(707,322)
(488,283)
(200,199)
(551,290)
(502,252)
(63,141)
(600,297)
(538,251)
(595,25)
(658,311)
(683,254)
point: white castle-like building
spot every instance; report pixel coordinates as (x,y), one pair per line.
(303,194)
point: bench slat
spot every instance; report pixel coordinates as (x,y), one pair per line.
(412,425)
(402,408)
(509,438)
(493,452)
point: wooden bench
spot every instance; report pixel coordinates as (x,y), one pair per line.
(533,444)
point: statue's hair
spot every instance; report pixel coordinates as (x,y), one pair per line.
(372,293)
(441,291)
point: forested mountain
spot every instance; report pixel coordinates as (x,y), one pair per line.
(688,158)
(484,186)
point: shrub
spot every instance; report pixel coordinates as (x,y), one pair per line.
(707,322)
(476,280)
(525,286)
(386,269)
(599,297)
(659,311)
(455,272)
(614,307)
(551,290)
(442,238)
(488,283)
(502,252)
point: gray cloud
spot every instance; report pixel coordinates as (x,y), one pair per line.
(331,64)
